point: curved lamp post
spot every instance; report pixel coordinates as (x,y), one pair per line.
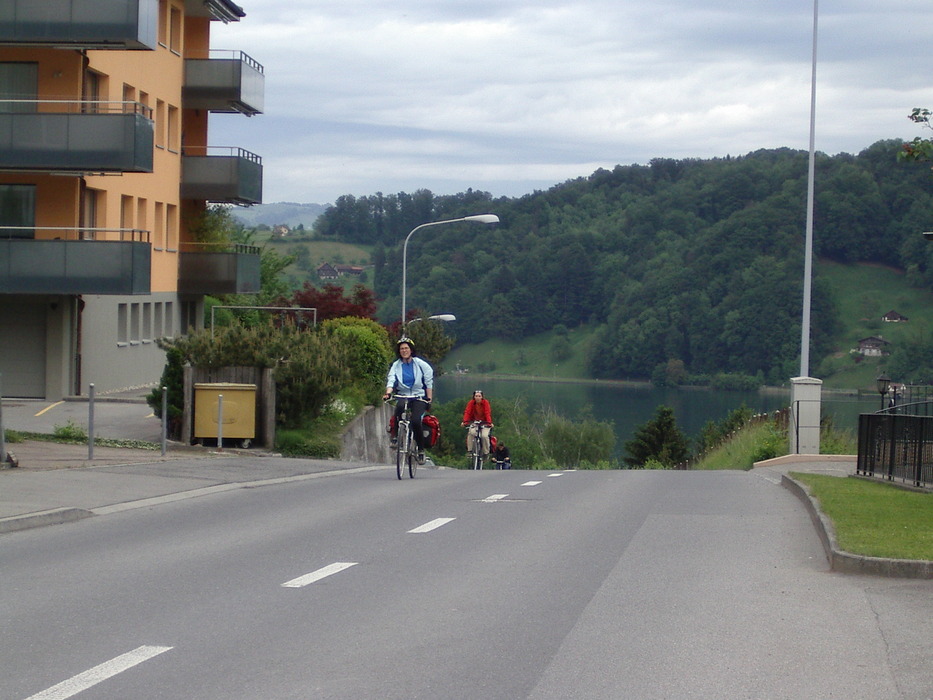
(478,218)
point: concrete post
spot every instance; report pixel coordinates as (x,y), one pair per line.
(804,425)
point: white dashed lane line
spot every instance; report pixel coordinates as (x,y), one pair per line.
(314,576)
(432,525)
(98,674)
(532,483)
(495,497)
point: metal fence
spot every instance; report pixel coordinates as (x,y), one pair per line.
(897,444)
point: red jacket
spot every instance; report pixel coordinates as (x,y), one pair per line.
(477,411)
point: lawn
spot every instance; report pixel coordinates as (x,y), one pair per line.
(875,519)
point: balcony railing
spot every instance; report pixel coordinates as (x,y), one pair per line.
(224,81)
(211,268)
(221,174)
(76,136)
(81,24)
(897,444)
(74,261)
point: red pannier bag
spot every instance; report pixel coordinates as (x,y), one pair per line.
(432,429)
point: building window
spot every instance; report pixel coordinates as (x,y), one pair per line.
(142,219)
(126,217)
(160,124)
(157,330)
(89,214)
(171,227)
(169,320)
(122,324)
(175,31)
(134,324)
(173,129)
(158,229)
(163,23)
(147,323)
(17,211)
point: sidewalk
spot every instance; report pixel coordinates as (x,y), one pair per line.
(57,484)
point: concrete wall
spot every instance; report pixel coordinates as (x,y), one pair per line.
(366,439)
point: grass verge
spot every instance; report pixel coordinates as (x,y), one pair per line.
(875,519)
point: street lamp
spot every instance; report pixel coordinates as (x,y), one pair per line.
(478,218)
(882,383)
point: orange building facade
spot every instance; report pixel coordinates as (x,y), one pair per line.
(105,167)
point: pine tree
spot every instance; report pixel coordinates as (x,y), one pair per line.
(659,439)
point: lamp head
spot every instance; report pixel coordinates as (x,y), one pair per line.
(928,235)
(483,218)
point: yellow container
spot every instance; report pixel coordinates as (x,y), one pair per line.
(239,410)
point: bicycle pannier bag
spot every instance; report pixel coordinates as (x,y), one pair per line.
(432,429)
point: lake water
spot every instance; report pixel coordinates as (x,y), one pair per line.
(628,406)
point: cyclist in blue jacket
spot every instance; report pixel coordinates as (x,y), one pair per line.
(410,378)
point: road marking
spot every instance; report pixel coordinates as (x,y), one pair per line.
(49,408)
(550,475)
(108,669)
(532,483)
(495,497)
(328,570)
(433,525)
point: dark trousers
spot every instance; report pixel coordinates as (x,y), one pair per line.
(418,408)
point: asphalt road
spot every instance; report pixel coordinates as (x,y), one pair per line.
(615,584)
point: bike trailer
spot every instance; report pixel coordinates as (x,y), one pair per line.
(432,429)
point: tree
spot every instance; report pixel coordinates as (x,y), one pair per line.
(330,301)
(659,439)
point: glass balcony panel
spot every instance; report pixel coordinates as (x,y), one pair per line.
(99,24)
(76,142)
(234,83)
(74,267)
(231,179)
(234,271)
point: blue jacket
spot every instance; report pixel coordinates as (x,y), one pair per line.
(423,373)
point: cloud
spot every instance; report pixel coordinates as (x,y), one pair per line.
(513,96)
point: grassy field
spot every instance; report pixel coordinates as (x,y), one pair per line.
(875,519)
(863,294)
(530,357)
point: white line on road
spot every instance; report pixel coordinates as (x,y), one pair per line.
(550,475)
(532,483)
(495,497)
(324,572)
(108,669)
(433,525)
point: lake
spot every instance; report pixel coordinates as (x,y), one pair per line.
(628,406)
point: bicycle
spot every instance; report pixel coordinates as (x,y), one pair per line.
(406,449)
(476,454)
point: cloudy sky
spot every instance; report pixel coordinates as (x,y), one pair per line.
(510,96)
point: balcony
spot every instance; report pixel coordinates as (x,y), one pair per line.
(80,24)
(233,176)
(203,269)
(227,81)
(68,136)
(75,261)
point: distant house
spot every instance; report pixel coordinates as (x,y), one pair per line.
(872,346)
(893,317)
(327,272)
(280,231)
(349,270)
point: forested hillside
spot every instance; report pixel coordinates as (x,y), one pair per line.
(698,262)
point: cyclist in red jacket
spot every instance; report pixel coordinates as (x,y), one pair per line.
(477,409)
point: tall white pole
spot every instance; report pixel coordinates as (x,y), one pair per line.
(808,250)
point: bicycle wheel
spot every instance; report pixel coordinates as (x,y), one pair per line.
(412,462)
(477,455)
(402,451)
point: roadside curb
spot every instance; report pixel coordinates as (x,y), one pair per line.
(845,562)
(58,516)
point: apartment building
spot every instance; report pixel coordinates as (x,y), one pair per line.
(105,168)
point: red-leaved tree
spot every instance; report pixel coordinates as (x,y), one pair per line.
(332,302)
